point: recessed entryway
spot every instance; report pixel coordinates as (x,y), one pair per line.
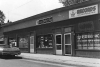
(67,44)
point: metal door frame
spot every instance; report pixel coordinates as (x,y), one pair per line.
(58,44)
(68,44)
(32,45)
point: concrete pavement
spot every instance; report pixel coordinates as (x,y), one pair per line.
(91,62)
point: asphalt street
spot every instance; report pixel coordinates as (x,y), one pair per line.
(20,62)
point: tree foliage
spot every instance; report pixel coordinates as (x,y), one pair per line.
(72,2)
(2,17)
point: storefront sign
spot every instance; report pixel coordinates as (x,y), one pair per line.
(72,2)
(44,21)
(86,26)
(85,11)
(68,29)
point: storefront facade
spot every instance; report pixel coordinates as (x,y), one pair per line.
(72,31)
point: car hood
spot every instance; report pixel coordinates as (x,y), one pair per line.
(11,49)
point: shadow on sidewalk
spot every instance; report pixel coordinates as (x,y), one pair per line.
(10,57)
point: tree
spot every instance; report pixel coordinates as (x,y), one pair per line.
(9,21)
(2,17)
(63,2)
(72,2)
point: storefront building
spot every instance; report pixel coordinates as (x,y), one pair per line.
(72,30)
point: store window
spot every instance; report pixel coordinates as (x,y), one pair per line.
(2,41)
(44,41)
(97,41)
(23,42)
(12,42)
(58,39)
(90,41)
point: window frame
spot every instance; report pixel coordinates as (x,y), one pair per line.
(91,37)
(47,39)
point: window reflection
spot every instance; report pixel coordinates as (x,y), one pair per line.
(12,42)
(2,41)
(58,39)
(23,42)
(88,41)
(44,41)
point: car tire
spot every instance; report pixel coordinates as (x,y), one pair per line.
(12,55)
(0,56)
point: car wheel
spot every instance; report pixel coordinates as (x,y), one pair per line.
(0,56)
(3,56)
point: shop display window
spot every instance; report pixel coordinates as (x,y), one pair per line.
(2,41)
(12,42)
(23,42)
(79,42)
(44,41)
(90,41)
(97,41)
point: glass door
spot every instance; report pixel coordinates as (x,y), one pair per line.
(58,43)
(67,44)
(31,44)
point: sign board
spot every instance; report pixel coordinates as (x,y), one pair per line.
(44,21)
(67,29)
(85,11)
(86,26)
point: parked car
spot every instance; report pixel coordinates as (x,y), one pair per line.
(6,50)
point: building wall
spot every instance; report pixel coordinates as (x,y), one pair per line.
(58,15)
(23,29)
(25,24)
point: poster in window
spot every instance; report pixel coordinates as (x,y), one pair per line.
(90,35)
(79,43)
(97,48)
(84,44)
(84,36)
(91,48)
(90,42)
(97,42)
(23,43)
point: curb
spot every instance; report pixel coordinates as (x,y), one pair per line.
(65,62)
(62,63)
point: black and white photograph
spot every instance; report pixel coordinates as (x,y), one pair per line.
(49,33)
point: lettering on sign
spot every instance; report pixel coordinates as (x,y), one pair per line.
(85,11)
(44,21)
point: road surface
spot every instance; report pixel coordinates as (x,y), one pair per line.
(19,62)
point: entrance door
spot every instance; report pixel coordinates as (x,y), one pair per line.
(31,44)
(67,44)
(58,43)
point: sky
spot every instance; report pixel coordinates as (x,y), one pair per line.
(15,10)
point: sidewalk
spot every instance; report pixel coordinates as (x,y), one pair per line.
(92,62)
